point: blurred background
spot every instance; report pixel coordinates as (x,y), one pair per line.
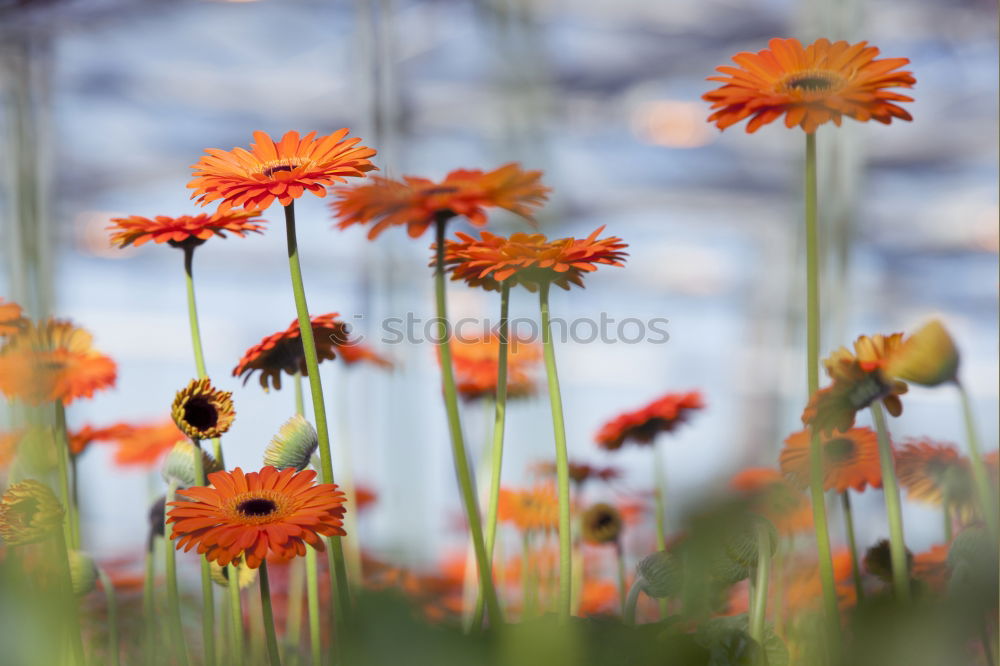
(107,103)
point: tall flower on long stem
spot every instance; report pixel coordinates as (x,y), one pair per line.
(536,263)
(418,204)
(811,86)
(284,170)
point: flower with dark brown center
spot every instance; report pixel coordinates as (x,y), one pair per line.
(202,411)
(601,523)
(850,460)
(643,425)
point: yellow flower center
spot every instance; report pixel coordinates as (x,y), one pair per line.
(811,81)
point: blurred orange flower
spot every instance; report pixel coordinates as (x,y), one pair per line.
(364,497)
(599,597)
(281,170)
(809,86)
(145,444)
(183,231)
(931,567)
(80,439)
(532,509)
(928,470)
(643,425)
(250,515)
(476,362)
(11,319)
(418,202)
(579,473)
(850,460)
(772,497)
(53,360)
(530,260)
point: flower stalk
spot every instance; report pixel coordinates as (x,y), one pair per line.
(109,595)
(845,498)
(173,598)
(758,609)
(659,499)
(893,507)
(274,657)
(235,612)
(987,499)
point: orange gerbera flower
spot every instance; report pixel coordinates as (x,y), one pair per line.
(11,319)
(281,170)
(850,460)
(810,86)
(145,445)
(930,470)
(183,231)
(770,496)
(202,411)
(248,515)
(859,379)
(80,439)
(476,362)
(282,351)
(532,509)
(643,425)
(53,360)
(364,497)
(418,203)
(530,260)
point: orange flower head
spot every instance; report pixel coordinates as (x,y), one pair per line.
(80,439)
(186,231)
(598,597)
(809,86)
(282,351)
(29,513)
(534,509)
(11,318)
(643,425)
(932,472)
(144,445)
(579,473)
(418,203)
(281,170)
(202,411)
(931,568)
(476,362)
(859,379)
(251,515)
(364,497)
(530,260)
(771,496)
(53,360)
(850,459)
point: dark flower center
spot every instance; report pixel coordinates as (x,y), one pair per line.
(259,506)
(270,171)
(840,450)
(200,413)
(25,510)
(811,82)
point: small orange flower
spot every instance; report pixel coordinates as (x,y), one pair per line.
(931,568)
(809,86)
(476,362)
(643,425)
(80,439)
(282,351)
(530,260)
(532,509)
(859,379)
(418,202)
(930,470)
(770,496)
(281,170)
(579,473)
(249,515)
(599,597)
(11,319)
(183,231)
(145,445)
(53,360)
(850,460)
(364,497)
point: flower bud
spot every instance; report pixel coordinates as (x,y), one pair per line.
(928,357)
(179,465)
(660,574)
(82,572)
(293,446)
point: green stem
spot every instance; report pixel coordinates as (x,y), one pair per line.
(659,499)
(312,599)
(300,406)
(528,588)
(758,610)
(296,587)
(622,580)
(852,545)
(987,499)
(235,612)
(893,507)
(109,594)
(823,553)
(207,594)
(71,526)
(340,593)
(496,452)
(268,615)
(632,600)
(562,460)
(148,602)
(72,619)
(459,454)
(949,529)
(352,543)
(177,644)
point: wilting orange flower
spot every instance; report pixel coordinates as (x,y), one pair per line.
(579,473)
(282,351)
(859,379)
(643,425)
(53,360)
(183,231)
(810,86)
(532,509)
(202,411)
(250,515)
(418,203)
(80,439)
(929,470)
(11,319)
(850,459)
(145,444)
(281,170)
(530,260)
(476,362)
(770,496)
